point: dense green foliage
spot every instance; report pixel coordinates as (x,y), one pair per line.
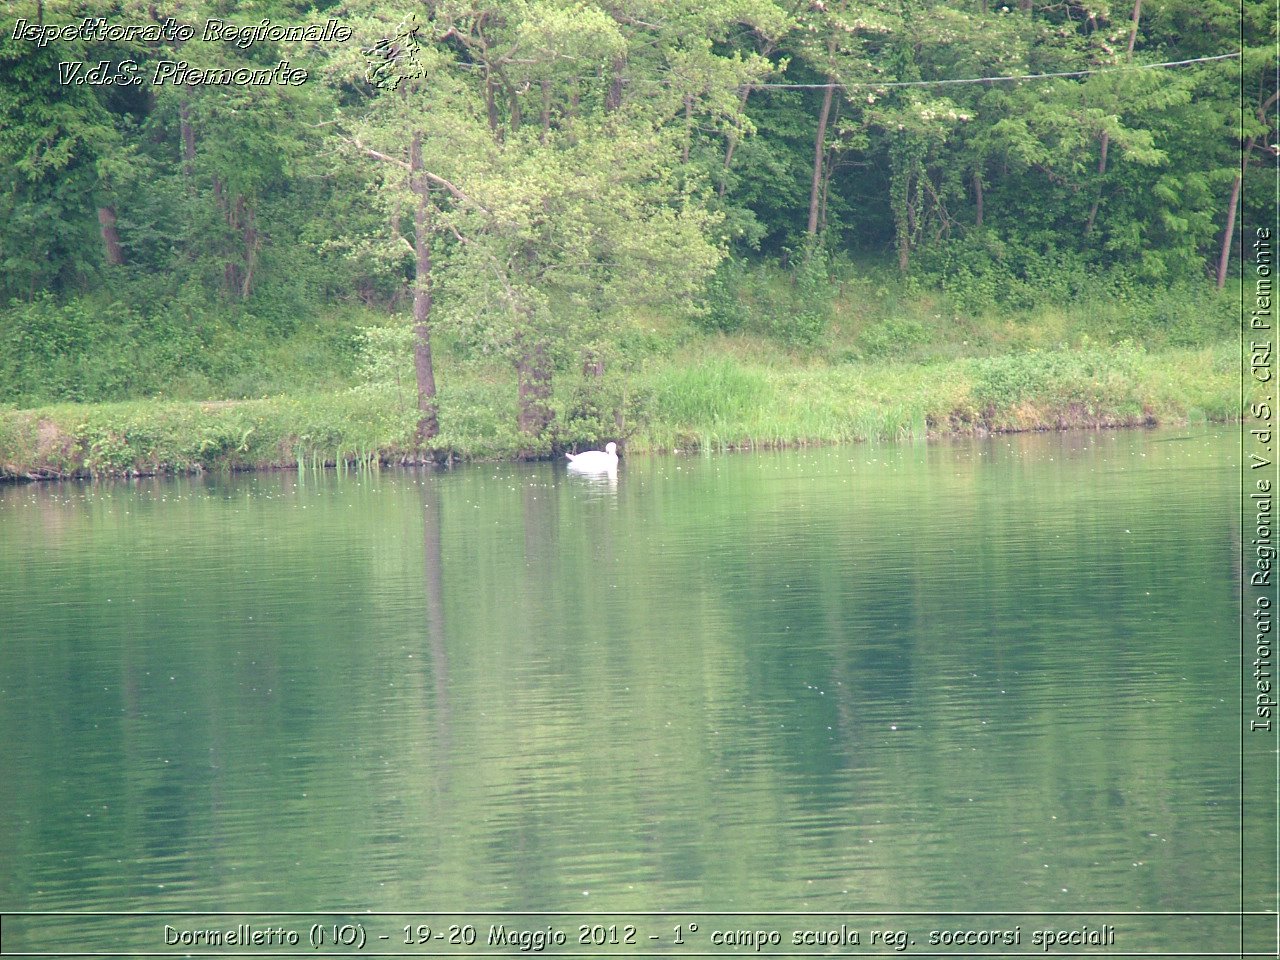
(568,191)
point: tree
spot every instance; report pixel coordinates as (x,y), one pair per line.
(53,140)
(549,230)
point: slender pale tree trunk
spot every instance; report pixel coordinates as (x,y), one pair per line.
(491,105)
(1102,169)
(819,142)
(1225,255)
(230,268)
(1133,28)
(732,145)
(424,371)
(733,141)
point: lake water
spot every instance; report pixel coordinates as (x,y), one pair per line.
(982,675)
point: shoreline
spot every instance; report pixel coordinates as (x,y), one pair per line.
(446,459)
(720,406)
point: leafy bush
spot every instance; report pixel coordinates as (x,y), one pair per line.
(725,311)
(792,306)
(141,339)
(1091,379)
(893,336)
(386,357)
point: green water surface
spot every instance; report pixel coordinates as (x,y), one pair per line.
(967,676)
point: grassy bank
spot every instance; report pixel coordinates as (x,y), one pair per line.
(820,352)
(710,393)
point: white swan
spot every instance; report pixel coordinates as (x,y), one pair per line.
(594,461)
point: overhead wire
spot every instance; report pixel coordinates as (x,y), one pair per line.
(872,84)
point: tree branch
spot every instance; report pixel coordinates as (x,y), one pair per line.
(434,178)
(376,155)
(1262,110)
(458,194)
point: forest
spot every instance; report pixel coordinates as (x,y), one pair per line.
(256,233)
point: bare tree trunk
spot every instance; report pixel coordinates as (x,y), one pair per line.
(829,166)
(977,190)
(110,238)
(765,51)
(906,232)
(592,363)
(1133,28)
(188,133)
(819,143)
(395,218)
(822,202)
(424,371)
(1229,232)
(1233,203)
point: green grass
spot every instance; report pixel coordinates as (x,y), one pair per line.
(723,401)
(99,349)
(196,386)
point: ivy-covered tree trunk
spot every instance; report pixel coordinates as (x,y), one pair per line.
(424,370)
(614,98)
(533,372)
(110,237)
(249,233)
(230,271)
(907,163)
(188,134)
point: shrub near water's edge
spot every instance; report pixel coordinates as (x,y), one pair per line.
(1077,386)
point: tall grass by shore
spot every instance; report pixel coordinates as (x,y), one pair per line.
(720,400)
